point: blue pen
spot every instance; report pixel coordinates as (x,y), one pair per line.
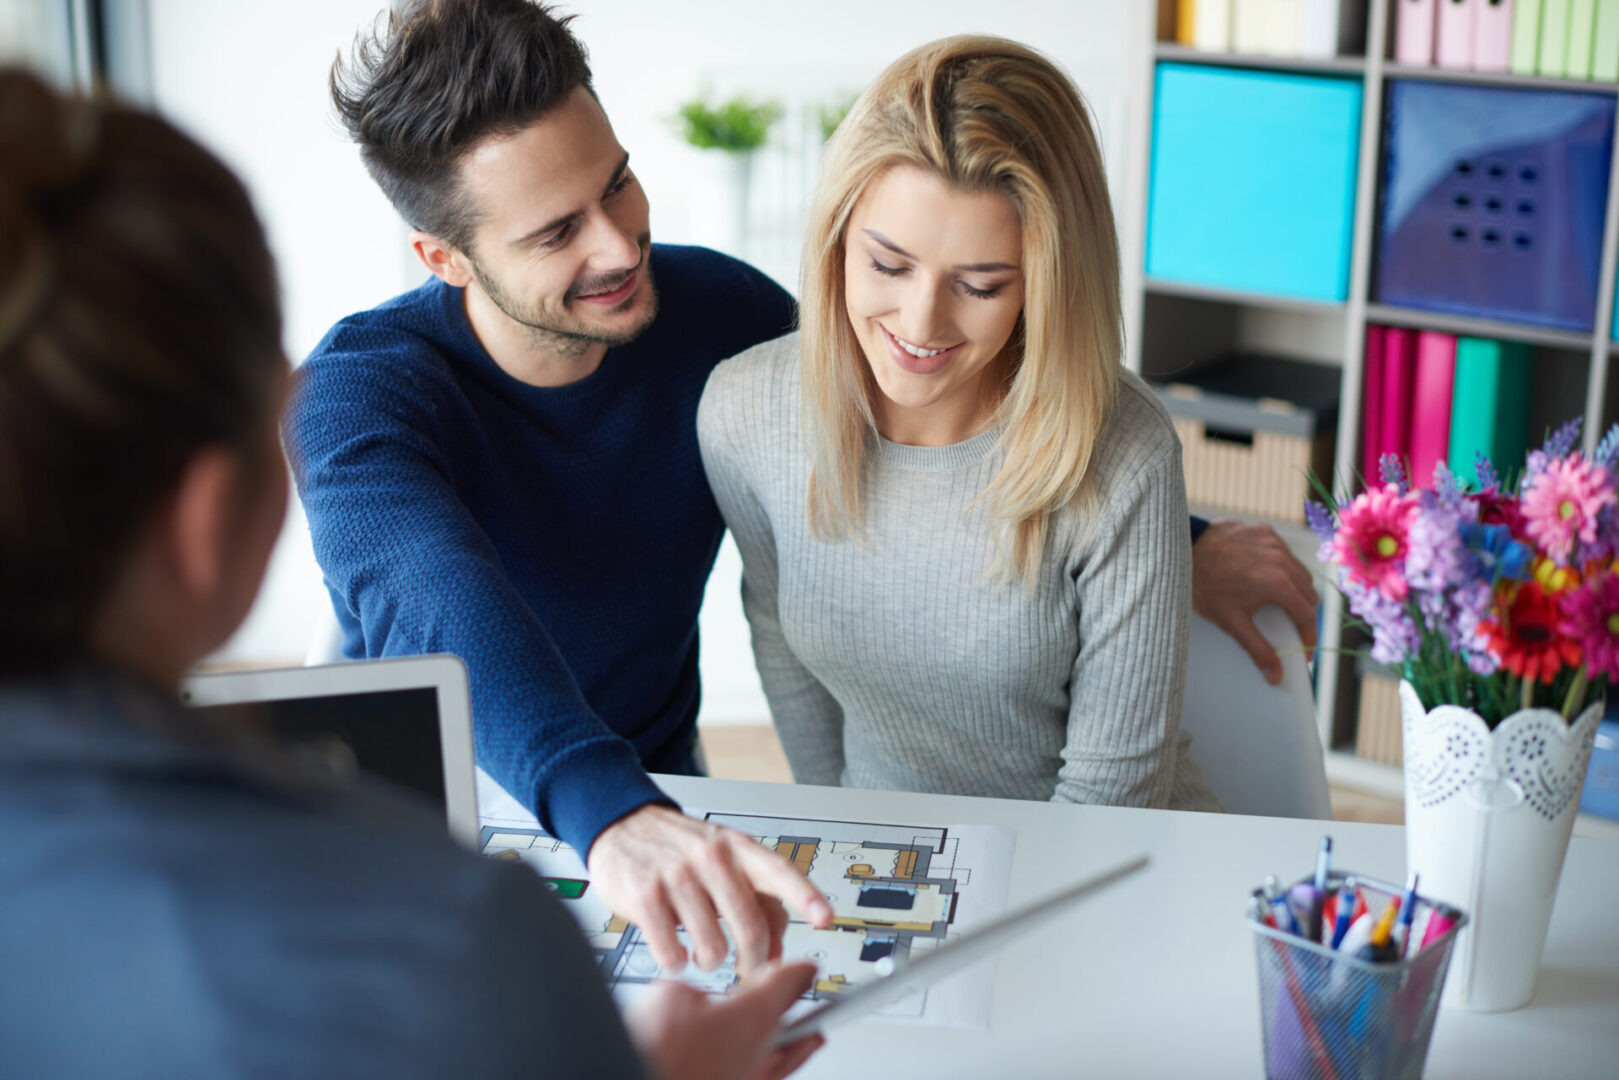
(1346,909)
(1281,912)
(1402,929)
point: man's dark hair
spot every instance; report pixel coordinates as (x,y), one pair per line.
(423,86)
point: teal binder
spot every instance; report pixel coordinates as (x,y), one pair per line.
(1489,406)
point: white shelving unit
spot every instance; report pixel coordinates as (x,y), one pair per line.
(1341,327)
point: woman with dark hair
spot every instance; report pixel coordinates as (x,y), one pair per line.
(176,899)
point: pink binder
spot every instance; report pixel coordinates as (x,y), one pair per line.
(1492,35)
(1430,404)
(1399,366)
(1453,40)
(1414,31)
(1371,420)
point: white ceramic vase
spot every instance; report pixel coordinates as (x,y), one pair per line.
(1487,820)
(721,185)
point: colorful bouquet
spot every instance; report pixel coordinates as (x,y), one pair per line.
(1487,599)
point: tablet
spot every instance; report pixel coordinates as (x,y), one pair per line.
(963,951)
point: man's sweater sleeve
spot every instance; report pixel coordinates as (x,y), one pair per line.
(400,550)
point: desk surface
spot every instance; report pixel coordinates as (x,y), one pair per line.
(1157,978)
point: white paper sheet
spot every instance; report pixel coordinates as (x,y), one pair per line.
(896,888)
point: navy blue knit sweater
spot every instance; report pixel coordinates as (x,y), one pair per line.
(556,539)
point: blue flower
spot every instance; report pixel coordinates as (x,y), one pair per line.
(1497,553)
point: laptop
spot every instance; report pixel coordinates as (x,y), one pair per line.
(407,721)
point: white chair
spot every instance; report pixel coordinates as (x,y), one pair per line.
(1258,745)
(326,643)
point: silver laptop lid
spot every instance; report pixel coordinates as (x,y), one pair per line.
(408,721)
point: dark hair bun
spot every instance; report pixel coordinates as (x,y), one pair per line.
(139,323)
(44,156)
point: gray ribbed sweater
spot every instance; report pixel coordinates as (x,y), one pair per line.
(895,661)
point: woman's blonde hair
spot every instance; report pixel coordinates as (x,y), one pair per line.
(985,114)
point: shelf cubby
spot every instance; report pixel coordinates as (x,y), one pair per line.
(1173,327)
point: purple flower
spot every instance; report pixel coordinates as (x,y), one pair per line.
(1606,545)
(1607,454)
(1488,481)
(1436,558)
(1560,442)
(1393,472)
(1320,519)
(1396,637)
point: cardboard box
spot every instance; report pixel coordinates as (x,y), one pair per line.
(1378,736)
(1246,451)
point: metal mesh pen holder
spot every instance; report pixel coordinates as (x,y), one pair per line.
(1331,1016)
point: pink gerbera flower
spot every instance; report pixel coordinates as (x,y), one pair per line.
(1371,540)
(1561,505)
(1591,616)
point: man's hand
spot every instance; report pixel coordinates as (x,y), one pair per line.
(1237,568)
(659,868)
(683,1035)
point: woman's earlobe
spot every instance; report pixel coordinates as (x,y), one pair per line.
(198,529)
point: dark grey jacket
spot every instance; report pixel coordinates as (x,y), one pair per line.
(176,903)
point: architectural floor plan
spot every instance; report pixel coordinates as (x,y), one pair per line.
(896,890)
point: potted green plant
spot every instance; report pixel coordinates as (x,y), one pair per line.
(737,126)
(728,133)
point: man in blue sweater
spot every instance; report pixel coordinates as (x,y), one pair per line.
(503,464)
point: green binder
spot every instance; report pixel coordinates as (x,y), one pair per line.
(1489,408)
(1581,23)
(1605,42)
(1525,54)
(1553,37)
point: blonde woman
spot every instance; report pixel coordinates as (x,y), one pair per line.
(962,523)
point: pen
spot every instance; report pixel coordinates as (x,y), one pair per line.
(1357,938)
(1282,914)
(1442,919)
(1305,904)
(1323,864)
(1382,944)
(1345,913)
(1408,907)
(1259,910)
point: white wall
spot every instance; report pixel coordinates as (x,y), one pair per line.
(249,79)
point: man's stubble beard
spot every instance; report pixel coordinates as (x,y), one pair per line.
(566,341)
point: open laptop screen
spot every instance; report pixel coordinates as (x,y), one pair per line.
(405,720)
(390,734)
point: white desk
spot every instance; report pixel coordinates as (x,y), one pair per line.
(1156,977)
